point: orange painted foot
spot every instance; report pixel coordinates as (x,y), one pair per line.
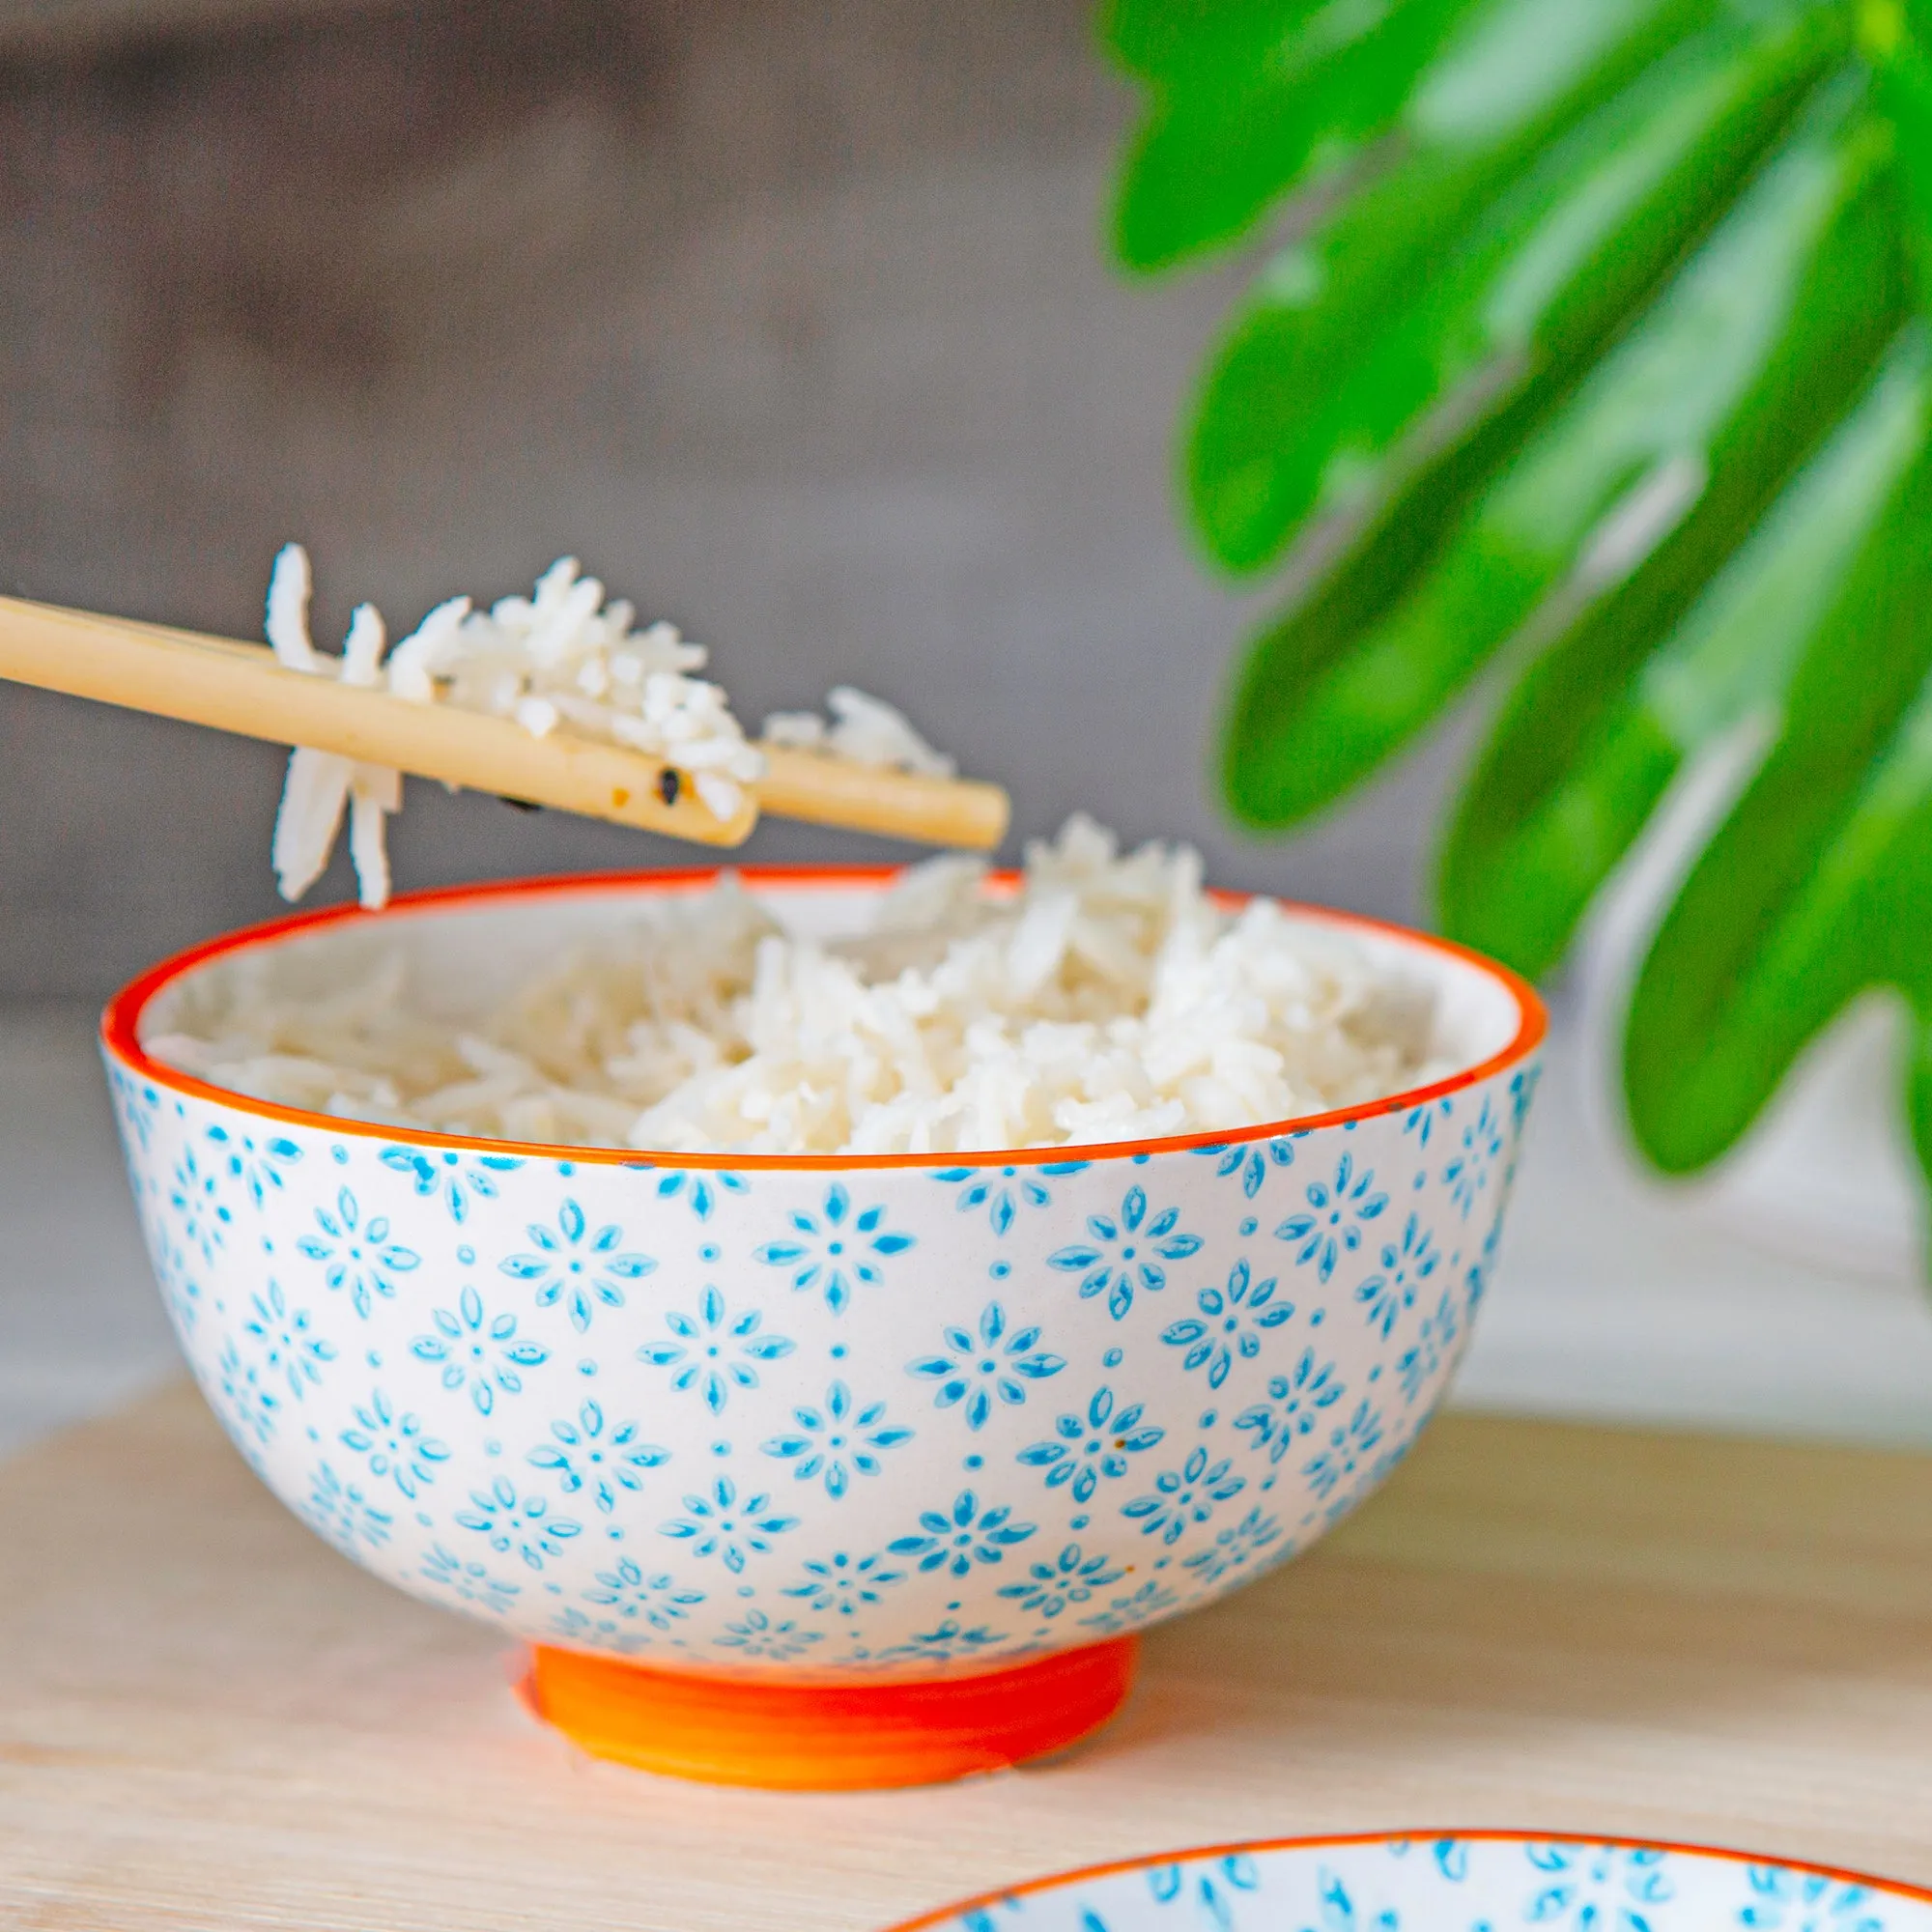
(829,1737)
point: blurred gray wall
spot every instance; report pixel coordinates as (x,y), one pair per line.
(789,315)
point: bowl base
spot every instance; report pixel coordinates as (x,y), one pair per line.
(829,1737)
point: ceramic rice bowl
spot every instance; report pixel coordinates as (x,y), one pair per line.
(838,1422)
(1481,1882)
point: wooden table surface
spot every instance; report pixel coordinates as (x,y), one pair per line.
(209,1720)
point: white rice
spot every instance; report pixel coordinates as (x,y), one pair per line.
(1108,999)
(560,660)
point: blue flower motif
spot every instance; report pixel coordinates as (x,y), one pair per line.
(1524,1082)
(577,1267)
(135,1106)
(1597,1887)
(1294,1406)
(1250,1160)
(586,1456)
(950,1639)
(1389,1293)
(1339,1212)
(639,1596)
(845,1584)
(837,1439)
(1091,1446)
(1423,1121)
(478,1349)
(833,1249)
(342,1514)
(1125,1252)
(358,1257)
(394,1444)
(1184,1496)
(1237,1546)
(456,1176)
(203,1219)
(1070,1578)
(470,1581)
(717,1525)
(289,1348)
(1153,1599)
(250,1405)
(1002,1191)
(522,1523)
(1349,1442)
(754,1634)
(1212,1882)
(715,1351)
(1232,1324)
(700,1189)
(258,1167)
(1433,1341)
(957,1538)
(974,1370)
(1783,1900)
(1469,1170)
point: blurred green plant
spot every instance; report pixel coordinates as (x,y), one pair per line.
(1591,336)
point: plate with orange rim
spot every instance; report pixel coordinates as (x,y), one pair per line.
(1445,1881)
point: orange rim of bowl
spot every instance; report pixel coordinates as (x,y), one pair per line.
(948,1914)
(120,1026)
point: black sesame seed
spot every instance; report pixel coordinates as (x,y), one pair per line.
(669,785)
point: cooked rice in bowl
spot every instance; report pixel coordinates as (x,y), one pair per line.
(1099,997)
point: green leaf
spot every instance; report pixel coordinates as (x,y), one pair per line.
(1816,884)
(1178,40)
(1593,734)
(1899,36)
(1406,311)
(1225,137)
(1740,365)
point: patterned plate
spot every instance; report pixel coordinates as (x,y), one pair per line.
(1482,1882)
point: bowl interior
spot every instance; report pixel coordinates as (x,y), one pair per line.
(467,952)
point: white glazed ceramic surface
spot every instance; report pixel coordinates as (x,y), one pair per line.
(823,1418)
(1482,1884)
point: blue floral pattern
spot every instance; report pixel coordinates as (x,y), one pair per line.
(478,1350)
(715,1351)
(833,1250)
(520,1524)
(1484,1883)
(358,1256)
(718,1523)
(258,1161)
(1296,1401)
(577,1266)
(457,1181)
(626,1407)
(1389,1293)
(955,1539)
(1091,1445)
(1249,1161)
(835,1439)
(1232,1324)
(976,1370)
(1064,1581)
(1184,1497)
(1125,1252)
(1339,1213)
(1002,1191)
(597,1459)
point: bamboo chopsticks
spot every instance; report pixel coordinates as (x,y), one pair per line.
(241,687)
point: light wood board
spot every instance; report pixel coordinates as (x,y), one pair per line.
(209,1720)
